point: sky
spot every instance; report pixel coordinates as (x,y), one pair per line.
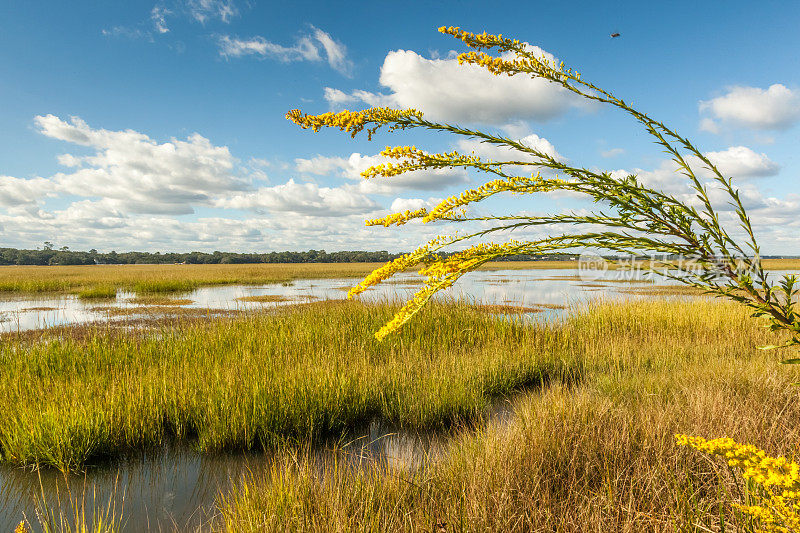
(159,125)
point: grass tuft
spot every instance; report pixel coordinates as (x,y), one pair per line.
(98,293)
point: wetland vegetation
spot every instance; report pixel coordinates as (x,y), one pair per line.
(103,281)
(257,381)
(589,446)
(595,453)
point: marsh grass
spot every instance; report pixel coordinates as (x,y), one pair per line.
(99,292)
(155,310)
(160,300)
(258,380)
(264,298)
(154,279)
(663,290)
(165,286)
(72,513)
(595,455)
(508,309)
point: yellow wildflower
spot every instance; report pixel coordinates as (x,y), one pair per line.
(398,265)
(397,218)
(415,160)
(778,509)
(514,184)
(483,40)
(355,121)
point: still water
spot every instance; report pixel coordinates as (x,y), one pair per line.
(502,287)
(177,488)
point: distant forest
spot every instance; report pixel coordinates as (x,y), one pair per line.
(50,255)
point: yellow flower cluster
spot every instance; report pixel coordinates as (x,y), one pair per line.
(399,152)
(392,267)
(539,66)
(777,512)
(397,218)
(774,515)
(483,40)
(353,121)
(514,184)
(412,306)
(348,121)
(469,259)
(442,274)
(495,65)
(778,472)
(526,62)
(21,528)
(415,160)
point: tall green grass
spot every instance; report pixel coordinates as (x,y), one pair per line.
(260,380)
(597,455)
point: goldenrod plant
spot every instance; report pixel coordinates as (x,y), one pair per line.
(638,219)
(776,480)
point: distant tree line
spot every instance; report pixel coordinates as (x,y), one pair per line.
(49,255)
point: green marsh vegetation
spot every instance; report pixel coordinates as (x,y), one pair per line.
(606,390)
(98,292)
(258,380)
(156,279)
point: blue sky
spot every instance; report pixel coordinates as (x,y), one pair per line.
(159,125)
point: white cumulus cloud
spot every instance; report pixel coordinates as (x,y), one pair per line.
(774,108)
(447,91)
(137,173)
(742,162)
(302,198)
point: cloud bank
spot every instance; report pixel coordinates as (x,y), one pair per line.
(447,91)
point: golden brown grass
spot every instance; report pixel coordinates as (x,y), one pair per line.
(595,455)
(157,310)
(663,290)
(160,300)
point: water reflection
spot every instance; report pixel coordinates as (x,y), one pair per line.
(527,288)
(177,488)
